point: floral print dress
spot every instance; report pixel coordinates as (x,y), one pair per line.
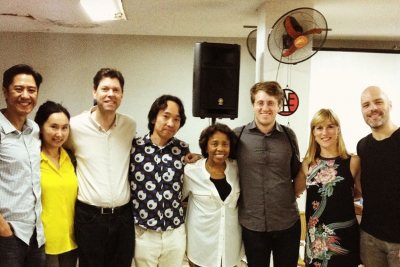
(332,230)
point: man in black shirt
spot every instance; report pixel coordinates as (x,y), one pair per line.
(380,182)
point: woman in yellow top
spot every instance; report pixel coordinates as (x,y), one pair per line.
(59,186)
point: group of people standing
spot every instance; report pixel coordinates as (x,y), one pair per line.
(87,187)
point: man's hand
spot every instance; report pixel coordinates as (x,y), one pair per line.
(192,157)
(5,229)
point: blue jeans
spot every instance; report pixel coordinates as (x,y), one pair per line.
(15,253)
(283,244)
(104,240)
(376,252)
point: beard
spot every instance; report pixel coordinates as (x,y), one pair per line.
(376,122)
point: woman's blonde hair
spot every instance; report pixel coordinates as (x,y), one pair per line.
(314,149)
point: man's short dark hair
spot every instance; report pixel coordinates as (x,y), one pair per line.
(161,104)
(109,73)
(271,88)
(8,76)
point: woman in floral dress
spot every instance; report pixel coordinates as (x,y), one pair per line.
(331,176)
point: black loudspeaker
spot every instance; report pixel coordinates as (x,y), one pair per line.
(216,80)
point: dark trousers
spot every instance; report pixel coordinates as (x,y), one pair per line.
(104,240)
(15,253)
(66,259)
(284,246)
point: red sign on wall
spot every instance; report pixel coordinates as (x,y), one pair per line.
(290,102)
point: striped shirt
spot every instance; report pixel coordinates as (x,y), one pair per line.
(20,203)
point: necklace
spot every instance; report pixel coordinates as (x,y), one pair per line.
(216,171)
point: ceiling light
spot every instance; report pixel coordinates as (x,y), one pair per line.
(101,10)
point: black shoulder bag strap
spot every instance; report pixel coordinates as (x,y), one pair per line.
(238,139)
(72,157)
(294,161)
(290,140)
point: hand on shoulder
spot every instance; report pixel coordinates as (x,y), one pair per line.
(192,157)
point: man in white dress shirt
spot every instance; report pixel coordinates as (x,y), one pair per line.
(101,140)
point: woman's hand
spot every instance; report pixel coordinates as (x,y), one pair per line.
(300,180)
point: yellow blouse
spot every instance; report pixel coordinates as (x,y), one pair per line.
(59,191)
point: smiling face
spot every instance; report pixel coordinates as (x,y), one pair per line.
(108,95)
(21,95)
(265,108)
(326,135)
(218,148)
(375,107)
(55,130)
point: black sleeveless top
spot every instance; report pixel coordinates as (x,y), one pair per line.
(332,228)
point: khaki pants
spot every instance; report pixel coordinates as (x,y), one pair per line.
(162,249)
(376,252)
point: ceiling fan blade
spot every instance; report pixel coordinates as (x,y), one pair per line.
(292,27)
(289,51)
(313,31)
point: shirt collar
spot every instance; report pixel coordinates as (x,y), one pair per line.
(8,127)
(277,126)
(93,109)
(253,125)
(147,141)
(63,156)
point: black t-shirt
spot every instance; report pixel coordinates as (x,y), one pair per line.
(380,183)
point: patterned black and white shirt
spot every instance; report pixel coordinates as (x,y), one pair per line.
(156,177)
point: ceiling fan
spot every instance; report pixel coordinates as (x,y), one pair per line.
(297,35)
(251,43)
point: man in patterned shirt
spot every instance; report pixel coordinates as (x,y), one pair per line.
(156,174)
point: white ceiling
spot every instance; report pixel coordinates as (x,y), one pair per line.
(350,19)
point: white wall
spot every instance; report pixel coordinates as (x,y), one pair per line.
(337,80)
(151,65)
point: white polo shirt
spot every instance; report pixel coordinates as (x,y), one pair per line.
(102,159)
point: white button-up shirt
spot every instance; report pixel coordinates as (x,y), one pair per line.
(102,159)
(213,229)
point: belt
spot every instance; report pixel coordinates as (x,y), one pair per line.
(102,210)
